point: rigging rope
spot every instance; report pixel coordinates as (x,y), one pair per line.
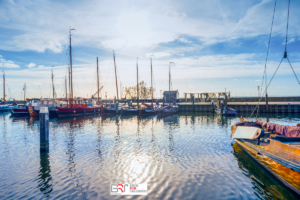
(287,25)
(284,56)
(268,49)
(293,70)
(267,87)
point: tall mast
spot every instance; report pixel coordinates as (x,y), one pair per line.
(71,96)
(24,88)
(52,76)
(66,87)
(116,75)
(169,83)
(151,84)
(98,81)
(137,83)
(3,86)
(69,74)
(71,70)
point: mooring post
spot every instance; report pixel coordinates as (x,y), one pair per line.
(267,106)
(117,107)
(193,101)
(44,129)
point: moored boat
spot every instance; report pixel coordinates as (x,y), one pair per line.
(172,108)
(20,110)
(275,147)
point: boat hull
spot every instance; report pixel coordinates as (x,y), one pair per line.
(275,166)
(168,111)
(149,112)
(64,112)
(130,112)
(19,112)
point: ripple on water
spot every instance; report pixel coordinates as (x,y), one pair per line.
(186,156)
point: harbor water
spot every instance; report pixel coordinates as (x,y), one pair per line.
(184,156)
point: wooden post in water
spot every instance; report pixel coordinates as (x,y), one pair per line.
(193,101)
(44,129)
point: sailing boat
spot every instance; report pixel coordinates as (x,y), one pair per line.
(3,106)
(150,110)
(171,108)
(76,106)
(133,110)
(22,109)
(114,108)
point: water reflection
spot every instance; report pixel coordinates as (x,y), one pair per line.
(44,176)
(117,147)
(187,155)
(99,139)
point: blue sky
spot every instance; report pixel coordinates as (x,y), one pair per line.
(214,44)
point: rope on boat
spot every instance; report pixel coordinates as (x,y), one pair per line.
(266,88)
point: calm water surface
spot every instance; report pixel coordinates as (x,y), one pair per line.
(185,156)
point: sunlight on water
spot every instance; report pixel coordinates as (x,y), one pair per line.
(185,156)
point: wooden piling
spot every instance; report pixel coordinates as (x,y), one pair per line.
(44,129)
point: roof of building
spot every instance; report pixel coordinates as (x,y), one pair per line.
(172,92)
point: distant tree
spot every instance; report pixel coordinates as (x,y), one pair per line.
(144,91)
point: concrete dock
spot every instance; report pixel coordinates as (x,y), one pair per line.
(274,107)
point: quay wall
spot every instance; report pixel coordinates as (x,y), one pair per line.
(274,107)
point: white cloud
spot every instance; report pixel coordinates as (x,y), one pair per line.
(184,40)
(31,65)
(41,66)
(7,63)
(136,27)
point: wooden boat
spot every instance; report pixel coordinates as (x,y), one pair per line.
(223,109)
(77,106)
(20,110)
(275,147)
(172,108)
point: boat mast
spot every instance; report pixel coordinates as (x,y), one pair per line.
(24,88)
(116,75)
(71,96)
(169,82)
(151,83)
(52,76)
(69,74)
(98,80)
(3,86)
(71,70)
(137,83)
(66,87)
